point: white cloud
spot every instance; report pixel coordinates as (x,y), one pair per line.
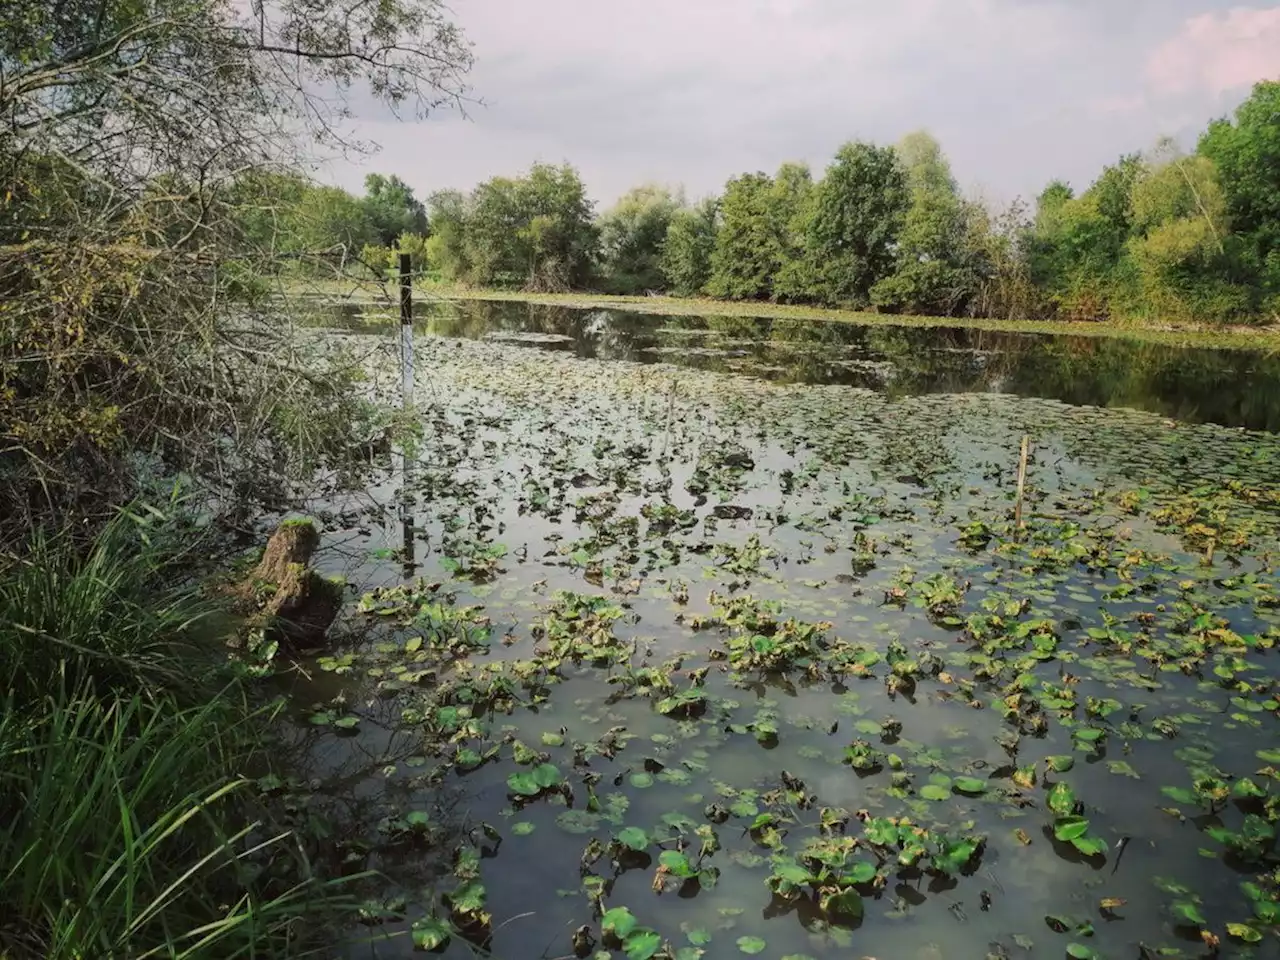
(695,91)
(1219,53)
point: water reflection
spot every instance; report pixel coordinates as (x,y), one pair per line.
(1236,388)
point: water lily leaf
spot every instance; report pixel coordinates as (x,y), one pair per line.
(1090,846)
(546,775)
(578,821)
(1062,800)
(677,863)
(1180,794)
(932,791)
(1188,913)
(1244,787)
(618,921)
(969,785)
(791,873)
(751,945)
(698,936)
(522,828)
(1070,827)
(859,872)
(642,944)
(1060,763)
(523,753)
(1079,951)
(1123,769)
(641,780)
(1269,756)
(524,784)
(1268,911)
(1242,931)
(846,903)
(954,856)
(633,838)
(430,933)
(468,898)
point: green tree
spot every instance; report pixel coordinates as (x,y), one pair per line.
(392,208)
(1077,243)
(688,248)
(1179,251)
(135,140)
(935,270)
(535,231)
(446,247)
(748,251)
(853,222)
(632,234)
(997,240)
(789,200)
(1246,152)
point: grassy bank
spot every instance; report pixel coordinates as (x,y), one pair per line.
(130,830)
(1236,338)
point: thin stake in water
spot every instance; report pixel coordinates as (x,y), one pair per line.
(1022,480)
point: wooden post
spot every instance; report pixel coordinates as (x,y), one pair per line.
(1022,481)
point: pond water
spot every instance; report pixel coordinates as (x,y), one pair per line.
(1235,388)
(717,638)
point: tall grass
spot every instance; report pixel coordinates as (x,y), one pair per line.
(127,830)
(115,616)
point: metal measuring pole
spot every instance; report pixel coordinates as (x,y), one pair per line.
(406,330)
(407,383)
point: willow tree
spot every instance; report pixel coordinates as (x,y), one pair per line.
(127,132)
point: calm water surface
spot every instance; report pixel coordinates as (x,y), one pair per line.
(1236,388)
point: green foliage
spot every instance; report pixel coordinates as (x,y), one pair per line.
(446,248)
(852,223)
(1178,249)
(632,234)
(688,247)
(127,824)
(1246,151)
(535,231)
(113,616)
(748,250)
(934,273)
(392,209)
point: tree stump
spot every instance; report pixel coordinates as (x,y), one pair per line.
(296,603)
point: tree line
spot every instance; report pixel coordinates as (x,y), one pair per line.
(1161,235)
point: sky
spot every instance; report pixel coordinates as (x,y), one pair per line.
(692,92)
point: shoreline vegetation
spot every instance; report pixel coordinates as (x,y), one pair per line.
(1166,237)
(1238,337)
(150,432)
